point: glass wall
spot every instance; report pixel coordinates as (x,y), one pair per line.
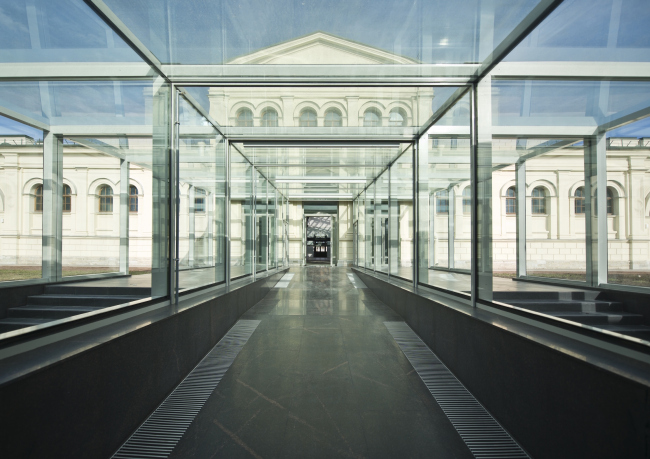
(383,219)
(202,178)
(241,215)
(21,201)
(445,195)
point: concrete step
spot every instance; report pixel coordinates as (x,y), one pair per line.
(65,289)
(545,306)
(13,323)
(49,312)
(599,318)
(579,295)
(80,300)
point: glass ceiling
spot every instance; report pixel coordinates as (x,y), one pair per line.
(327,172)
(196,32)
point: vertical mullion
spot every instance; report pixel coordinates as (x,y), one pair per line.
(227,227)
(474,199)
(124,216)
(52,223)
(520,216)
(416,211)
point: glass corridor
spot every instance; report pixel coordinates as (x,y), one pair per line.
(166,148)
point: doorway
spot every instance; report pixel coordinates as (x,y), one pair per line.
(319,239)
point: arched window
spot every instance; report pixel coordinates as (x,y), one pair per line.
(244,118)
(333,118)
(511,200)
(133,199)
(372,118)
(106,199)
(270,118)
(308,118)
(38,198)
(611,202)
(467,200)
(442,202)
(579,204)
(538,202)
(67,198)
(397,117)
(199,200)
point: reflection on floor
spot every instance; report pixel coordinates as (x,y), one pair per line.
(321,377)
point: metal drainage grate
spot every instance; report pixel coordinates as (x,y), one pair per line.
(159,434)
(482,434)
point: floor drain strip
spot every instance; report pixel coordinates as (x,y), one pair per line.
(482,434)
(162,430)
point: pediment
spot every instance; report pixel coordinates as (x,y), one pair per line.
(321,49)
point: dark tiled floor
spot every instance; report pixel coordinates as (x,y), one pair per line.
(321,377)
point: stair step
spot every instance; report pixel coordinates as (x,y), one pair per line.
(523,295)
(541,305)
(638,331)
(80,300)
(599,318)
(11,324)
(50,312)
(63,289)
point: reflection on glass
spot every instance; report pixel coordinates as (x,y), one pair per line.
(241,214)
(401,215)
(202,209)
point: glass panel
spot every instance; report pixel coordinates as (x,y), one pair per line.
(628,202)
(614,30)
(361,231)
(445,207)
(338,111)
(21,201)
(261,222)
(41,31)
(369,235)
(92,226)
(401,207)
(241,216)
(272,227)
(290,32)
(383,225)
(202,209)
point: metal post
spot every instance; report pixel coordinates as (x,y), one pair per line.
(451,217)
(377,241)
(416,209)
(481,120)
(191,196)
(596,209)
(52,241)
(210,222)
(390,214)
(227,228)
(474,202)
(174,220)
(520,193)
(124,216)
(254,220)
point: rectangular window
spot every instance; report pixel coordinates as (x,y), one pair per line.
(133,204)
(67,203)
(442,205)
(106,204)
(511,205)
(199,204)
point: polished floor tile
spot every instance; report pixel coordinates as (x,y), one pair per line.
(321,377)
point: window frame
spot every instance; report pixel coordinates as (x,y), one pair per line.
(511,201)
(303,122)
(133,197)
(538,204)
(238,119)
(105,199)
(66,199)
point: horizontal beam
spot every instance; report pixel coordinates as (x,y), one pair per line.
(572,71)
(16,116)
(327,75)
(69,71)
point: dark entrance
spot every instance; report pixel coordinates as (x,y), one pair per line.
(319,239)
